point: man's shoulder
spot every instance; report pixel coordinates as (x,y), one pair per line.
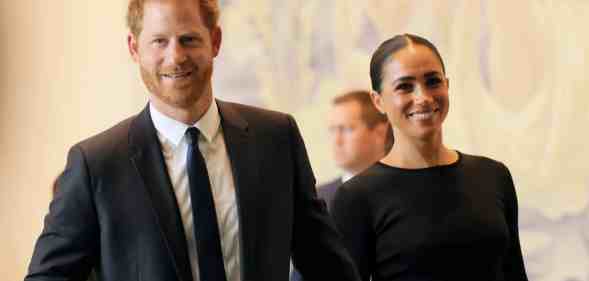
(330,185)
(260,122)
(253,113)
(327,190)
(109,141)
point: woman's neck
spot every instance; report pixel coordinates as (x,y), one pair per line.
(412,153)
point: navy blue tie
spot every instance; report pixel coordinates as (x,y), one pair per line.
(206,229)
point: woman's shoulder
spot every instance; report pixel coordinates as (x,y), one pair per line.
(490,171)
(377,173)
(374,178)
(361,192)
(481,162)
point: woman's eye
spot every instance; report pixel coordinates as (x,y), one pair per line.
(405,87)
(433,82)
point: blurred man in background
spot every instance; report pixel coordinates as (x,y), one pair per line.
(359,136)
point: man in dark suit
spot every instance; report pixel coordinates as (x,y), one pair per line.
(360,136)
(191,188)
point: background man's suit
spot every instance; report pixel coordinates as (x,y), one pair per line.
(328,190)
(115,208)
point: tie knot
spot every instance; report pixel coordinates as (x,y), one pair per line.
(192,136)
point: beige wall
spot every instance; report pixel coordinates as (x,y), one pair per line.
(519,93)
(65,76)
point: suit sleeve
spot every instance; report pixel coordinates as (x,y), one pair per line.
(513,265)
(67,247)
(318,252)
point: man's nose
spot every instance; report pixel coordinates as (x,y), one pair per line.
(337,137)
(177,53)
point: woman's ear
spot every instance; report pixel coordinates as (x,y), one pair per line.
(377,100)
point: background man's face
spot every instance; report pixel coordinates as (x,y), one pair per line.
(355,146)
(175,52)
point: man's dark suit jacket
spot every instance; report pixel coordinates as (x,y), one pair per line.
(115,210)
(326,192)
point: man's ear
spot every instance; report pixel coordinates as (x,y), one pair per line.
(133,46)
(216,38)
(377,100)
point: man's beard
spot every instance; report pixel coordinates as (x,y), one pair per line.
(185,97)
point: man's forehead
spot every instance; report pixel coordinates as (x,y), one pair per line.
(347,110)
(160,17)
(178,9)
(349,105)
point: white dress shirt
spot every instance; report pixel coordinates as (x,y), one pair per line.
(212,146)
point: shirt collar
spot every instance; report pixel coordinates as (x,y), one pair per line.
(174,130)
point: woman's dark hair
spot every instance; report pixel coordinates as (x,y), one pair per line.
(390,47)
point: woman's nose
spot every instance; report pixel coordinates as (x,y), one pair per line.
(421,94)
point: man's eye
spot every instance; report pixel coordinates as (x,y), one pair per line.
(189,40)
(159,41)
(186,40)
(348,129)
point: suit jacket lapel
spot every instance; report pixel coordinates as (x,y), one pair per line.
(149,162)
(244,164)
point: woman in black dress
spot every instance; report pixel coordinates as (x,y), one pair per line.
(426,212)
